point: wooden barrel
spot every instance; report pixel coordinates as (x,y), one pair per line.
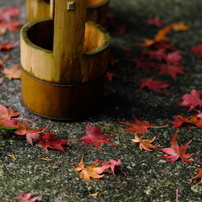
(64,63)
(96,10)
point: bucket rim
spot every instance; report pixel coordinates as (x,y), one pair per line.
(28,25)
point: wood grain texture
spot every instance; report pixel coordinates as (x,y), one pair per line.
(64,62)
(62,102)
(96,10)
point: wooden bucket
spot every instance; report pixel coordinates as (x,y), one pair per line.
(96,10)
(64,63)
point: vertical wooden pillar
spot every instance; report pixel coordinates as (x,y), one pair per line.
(69,29)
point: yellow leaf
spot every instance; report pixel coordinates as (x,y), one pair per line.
(46,159)
(180,26)
(95,194)
(12,156)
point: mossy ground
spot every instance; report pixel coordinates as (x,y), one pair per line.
(148,178)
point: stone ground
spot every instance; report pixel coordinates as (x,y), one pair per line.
(149,177)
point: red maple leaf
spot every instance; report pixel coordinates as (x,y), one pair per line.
(172,70)
(8,45)
(10,26)
(94,137)
(197,49)
(174,58)
(164,45)
(145,65)
(27,197)
(6,115)
(192,100)
(139,126)
(155,20)
(8,13)
(154,55)
(110,76)
(111,164)
(31,134)
(49,141)
(154,85)
(176,151)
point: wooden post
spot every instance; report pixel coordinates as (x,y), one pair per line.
(68,45)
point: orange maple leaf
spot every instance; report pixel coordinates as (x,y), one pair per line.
(139,126)
(161,35)
(180,26)
(199,174)
(13,72)
(179,120)
(144,144)
(88,172)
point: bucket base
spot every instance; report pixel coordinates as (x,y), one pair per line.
(61,102)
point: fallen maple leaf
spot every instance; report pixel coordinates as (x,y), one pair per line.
(199,174)
(191,101)
(176,151)
(155,20)
(88,172)
(147,42)
(197,49)
(161,35)
(180,26)
(164,45)
(11,26)
(94,137)
(6,115)
(174,58)
(8,13)
(158,55)
(144,144)
(139,126)
(49,141)
(13,72)
(27,197)
(171,70)
(8,45)
(154,85)
(145,65)
(31,134)
(179,120)
(109,164)
(110,76)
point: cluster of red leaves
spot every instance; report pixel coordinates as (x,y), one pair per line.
(174,153)
(160,55)
(96,169)
(47,140)
(8,22)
